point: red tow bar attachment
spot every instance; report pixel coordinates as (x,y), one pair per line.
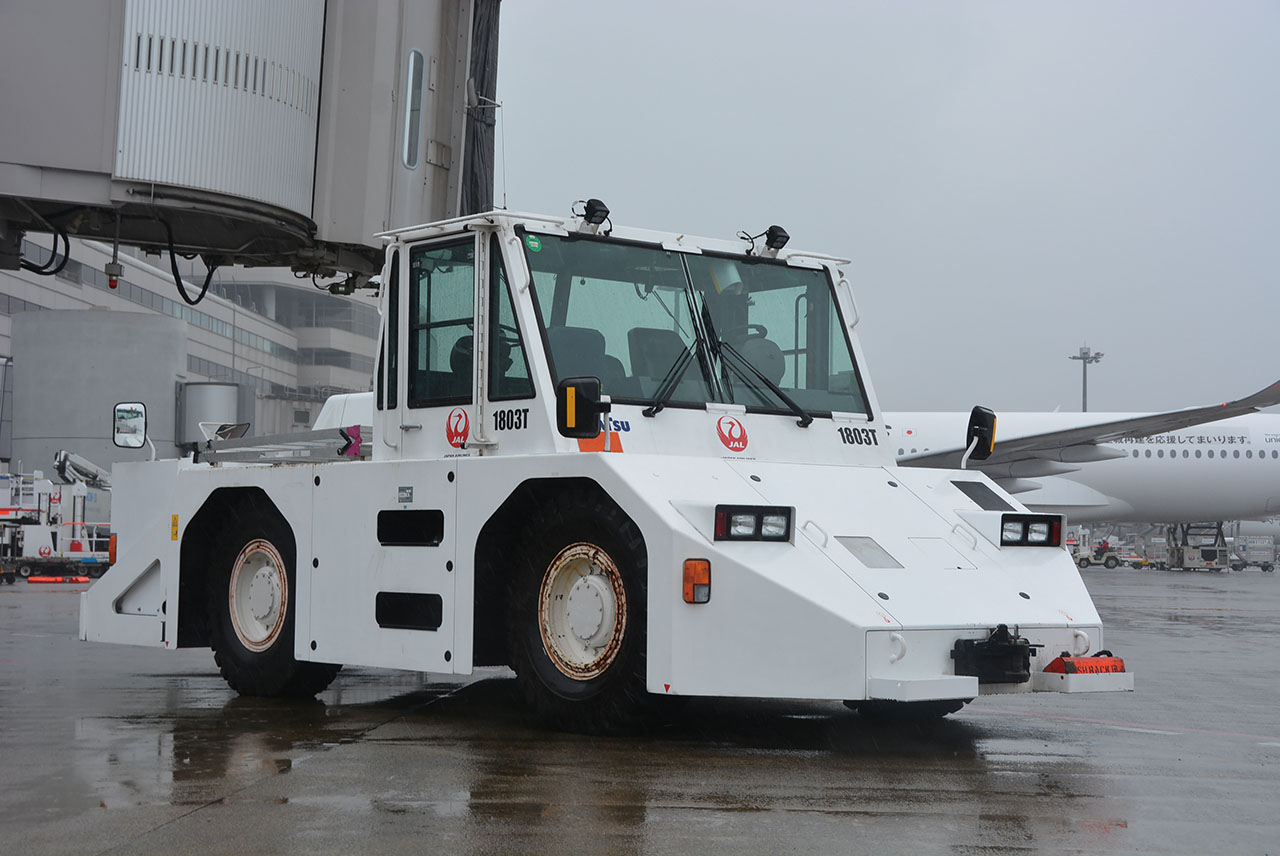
(1101,663)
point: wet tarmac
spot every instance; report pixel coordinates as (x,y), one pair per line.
(107,749)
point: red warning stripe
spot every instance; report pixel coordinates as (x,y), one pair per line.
(58,579)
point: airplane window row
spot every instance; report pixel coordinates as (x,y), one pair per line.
(1235,453)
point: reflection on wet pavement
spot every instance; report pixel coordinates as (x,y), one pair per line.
(119,750)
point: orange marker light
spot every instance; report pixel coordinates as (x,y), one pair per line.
(697,581)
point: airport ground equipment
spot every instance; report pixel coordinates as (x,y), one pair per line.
(1197,547)
(631,465)
(43,530)
(1086,556)
(72,468)
(311,89)
(1255,551)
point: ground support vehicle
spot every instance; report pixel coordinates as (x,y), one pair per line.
(1108,558)
(724,520)
(1198,547)
(1255,551)
(43,531)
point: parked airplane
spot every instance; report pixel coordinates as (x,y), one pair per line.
(1183,466)
(1186,466)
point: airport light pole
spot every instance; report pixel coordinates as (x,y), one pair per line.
(1085,357)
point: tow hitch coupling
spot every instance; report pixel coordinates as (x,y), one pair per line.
(1004,658)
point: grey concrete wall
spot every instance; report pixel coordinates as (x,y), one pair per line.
(70,368)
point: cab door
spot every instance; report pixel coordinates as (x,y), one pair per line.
(428,409)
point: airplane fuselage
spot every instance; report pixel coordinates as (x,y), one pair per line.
(1226,470)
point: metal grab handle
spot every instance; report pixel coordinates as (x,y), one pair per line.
(969,536)
(897,647)
(809,524)
(410,427)
(1081,643)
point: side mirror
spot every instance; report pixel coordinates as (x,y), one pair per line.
(980,441)
(130,425)
(579,405)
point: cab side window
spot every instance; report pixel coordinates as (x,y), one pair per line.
(508,370)
(441,318)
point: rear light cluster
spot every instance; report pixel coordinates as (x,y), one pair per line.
(1031,530)
(752,523)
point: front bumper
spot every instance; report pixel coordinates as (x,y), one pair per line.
(918,665)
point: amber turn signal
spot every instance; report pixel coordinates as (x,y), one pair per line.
(697,581)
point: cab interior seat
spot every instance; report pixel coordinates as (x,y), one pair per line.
(580,352)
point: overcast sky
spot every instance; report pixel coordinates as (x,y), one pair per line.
(1012,180)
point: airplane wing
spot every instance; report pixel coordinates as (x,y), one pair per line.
(1080,444)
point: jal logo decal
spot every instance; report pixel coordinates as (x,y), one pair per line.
(46,551)
(732,433)
(457,427)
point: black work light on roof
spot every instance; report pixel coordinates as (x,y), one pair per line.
(775,238)
(594,213)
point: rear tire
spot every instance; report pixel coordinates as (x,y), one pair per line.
(251,599)
(1111,563)
(577,617)
(25,571)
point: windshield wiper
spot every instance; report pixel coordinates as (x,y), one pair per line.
(804,419)
(670,381)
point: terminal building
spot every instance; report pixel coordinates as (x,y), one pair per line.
(287,344)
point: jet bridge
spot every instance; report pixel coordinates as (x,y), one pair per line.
(283,134)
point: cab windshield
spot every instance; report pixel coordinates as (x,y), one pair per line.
(714,328)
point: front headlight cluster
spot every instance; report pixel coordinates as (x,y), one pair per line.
(1031,530)
(752,523)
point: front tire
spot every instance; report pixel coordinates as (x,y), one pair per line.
(252,599)
(577,616)
(1083,562)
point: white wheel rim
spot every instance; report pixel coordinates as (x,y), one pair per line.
(258,595)
(583,611)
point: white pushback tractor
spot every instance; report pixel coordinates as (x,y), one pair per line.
(630,465)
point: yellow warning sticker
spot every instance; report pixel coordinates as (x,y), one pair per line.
(173,528)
